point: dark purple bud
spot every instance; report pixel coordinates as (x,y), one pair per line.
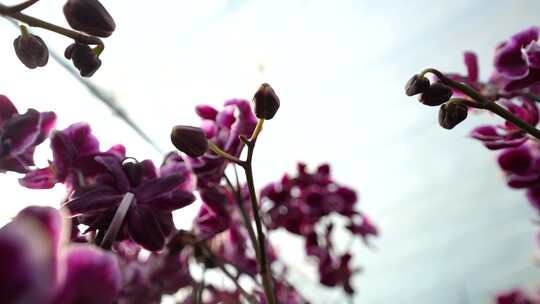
(89,16)
(266,102)
(134,171)
(84,58)
(31,50)
(436,95)
(190,140)
(451,114)
(416,85)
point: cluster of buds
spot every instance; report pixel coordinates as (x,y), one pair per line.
(193,140)
(511,92)
(88,18)
(451,112)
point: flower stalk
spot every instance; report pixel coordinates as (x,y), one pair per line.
(482,102)
(14,12)
(263,256)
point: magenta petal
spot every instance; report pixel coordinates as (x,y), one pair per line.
(173,200)
(47,124)
(471,62)
(215,199)
(21,131)
(209,128)
(93,199)
(150,189)
(81,136)
(114,167)
(144,229)
(533,54)
(27,262)
(50,219)
(511,62)
(526,36)
(485,133)
(92,276)
(518,161)
(523,180)
(64,153)
(149,169)
(117,151)
(532,78)
(505,143)
(39,179)
(225,118)
(208,223)
(14,164)
(533,194)
(206,112)
(7,109)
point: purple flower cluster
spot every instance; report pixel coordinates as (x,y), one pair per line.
(302,202)
(514,85)
(125,207)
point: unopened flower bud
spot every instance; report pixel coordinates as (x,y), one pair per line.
(84,58)
(31,50)
(89,16)
(266,102)
(190,140)
(436,95)
(416,85)
(451,114)
(134,171)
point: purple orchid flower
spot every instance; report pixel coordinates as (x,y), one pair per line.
(518,59)
(20,134)
(521,166)
(38,267)
(299,203)
(213,216)
(171,270)
(514,296)
(223,128)
(508,135)
(74,151)
(149,218)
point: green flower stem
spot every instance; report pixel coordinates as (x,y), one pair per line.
(263,256)
(484,103)
(467,102)
(467,90)
(244,214)
(17,8)
(224,154)
(9,12)
(502,112)
(257,131)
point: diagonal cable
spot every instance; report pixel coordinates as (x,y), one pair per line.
(98,93)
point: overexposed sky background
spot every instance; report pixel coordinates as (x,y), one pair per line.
(451,230)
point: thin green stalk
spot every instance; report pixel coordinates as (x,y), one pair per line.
(9,12)
(245,216)
(484,103)
(502,112)
(263,262)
